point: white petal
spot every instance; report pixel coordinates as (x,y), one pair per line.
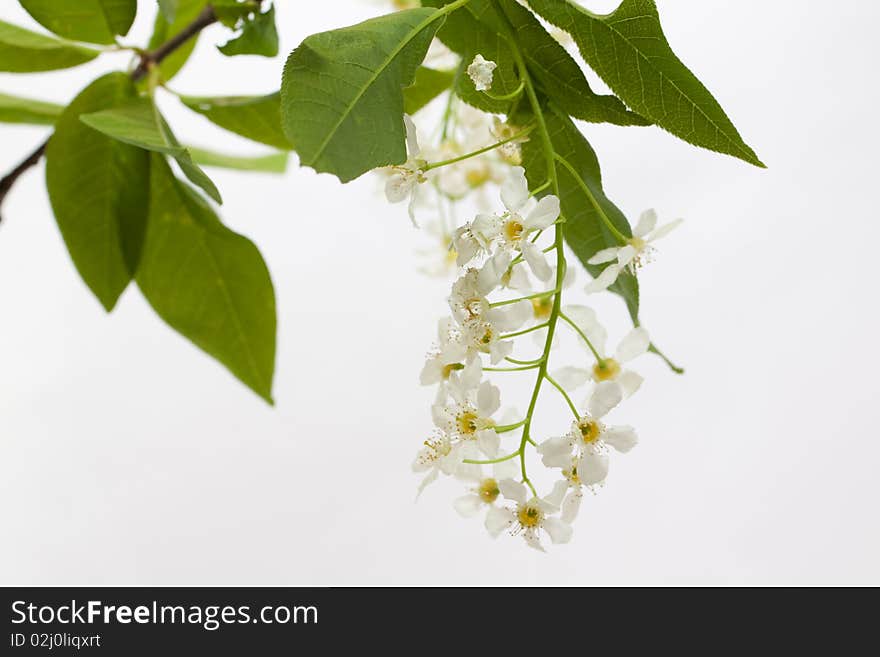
(558,493)
(488,399)
(586,321)
(603,280)
(398,187)
(432,372)
(515,190)
(490,275)
(537,260)
(519,279)
(488,441)
(603,256)
(498,351)
(622,439)
(544,214)
(634,344)
(571,505)
(571,378)
(532,540)
(430,478)
(468,505)
(506,469)
(593,468)
(497,520)
(484,228)
(647,221)
(606,395)
(513,490)
(559,531)
(630,382)
(412,139)
(556,452)
(471,375)
(664,230)
(626,255)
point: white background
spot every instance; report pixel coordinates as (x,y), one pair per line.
(127,456)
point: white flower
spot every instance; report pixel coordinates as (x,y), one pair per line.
(589,438)
(440,257)
(484,491)
(511,230)
(468,298)
(447,355)
(483,334)
(480,72)
(634,344)
(440,454)
(529,517)
(405,178)
(467,414)
(636,252)
(510,152)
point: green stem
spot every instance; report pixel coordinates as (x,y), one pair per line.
(536,361)
(578,330)
(509,369)
(491,461)
(467,156)
(504,428)
(556,385)
(589,194)
(536,327)
(536,295)
(513,94)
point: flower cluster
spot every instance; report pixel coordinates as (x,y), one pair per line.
(510,271)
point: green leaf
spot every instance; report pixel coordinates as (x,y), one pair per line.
(258,37)
(582,198)
(207,282)
(629,51)
(231,12)
(256,117)
(163,30)
(168,9)
(272,163)
(94,21)
(342,92)
(558,75)
(98,189)
(429,84)
(23,51)
(467,36)
(14,109)
(139,123)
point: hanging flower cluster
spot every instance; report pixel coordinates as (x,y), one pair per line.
(506,314)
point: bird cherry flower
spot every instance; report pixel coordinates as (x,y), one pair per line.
(439,454)
(405,178)
(636,252)
(483,490)
(511,150)
(481,72)
(589,438)
(528,518)
(634,344)
(511,230)
(466,413)
(447,355)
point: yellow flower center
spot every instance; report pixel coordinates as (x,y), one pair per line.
(477,177)
(486,338)
(529,516)
(590,430)
(637,243)
(542,307)
(606,370)
(513,230)
(572,475)
(467,422)
(488,491)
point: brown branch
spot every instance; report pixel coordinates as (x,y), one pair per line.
(148,60)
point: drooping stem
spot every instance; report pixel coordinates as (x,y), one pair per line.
(149,59)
